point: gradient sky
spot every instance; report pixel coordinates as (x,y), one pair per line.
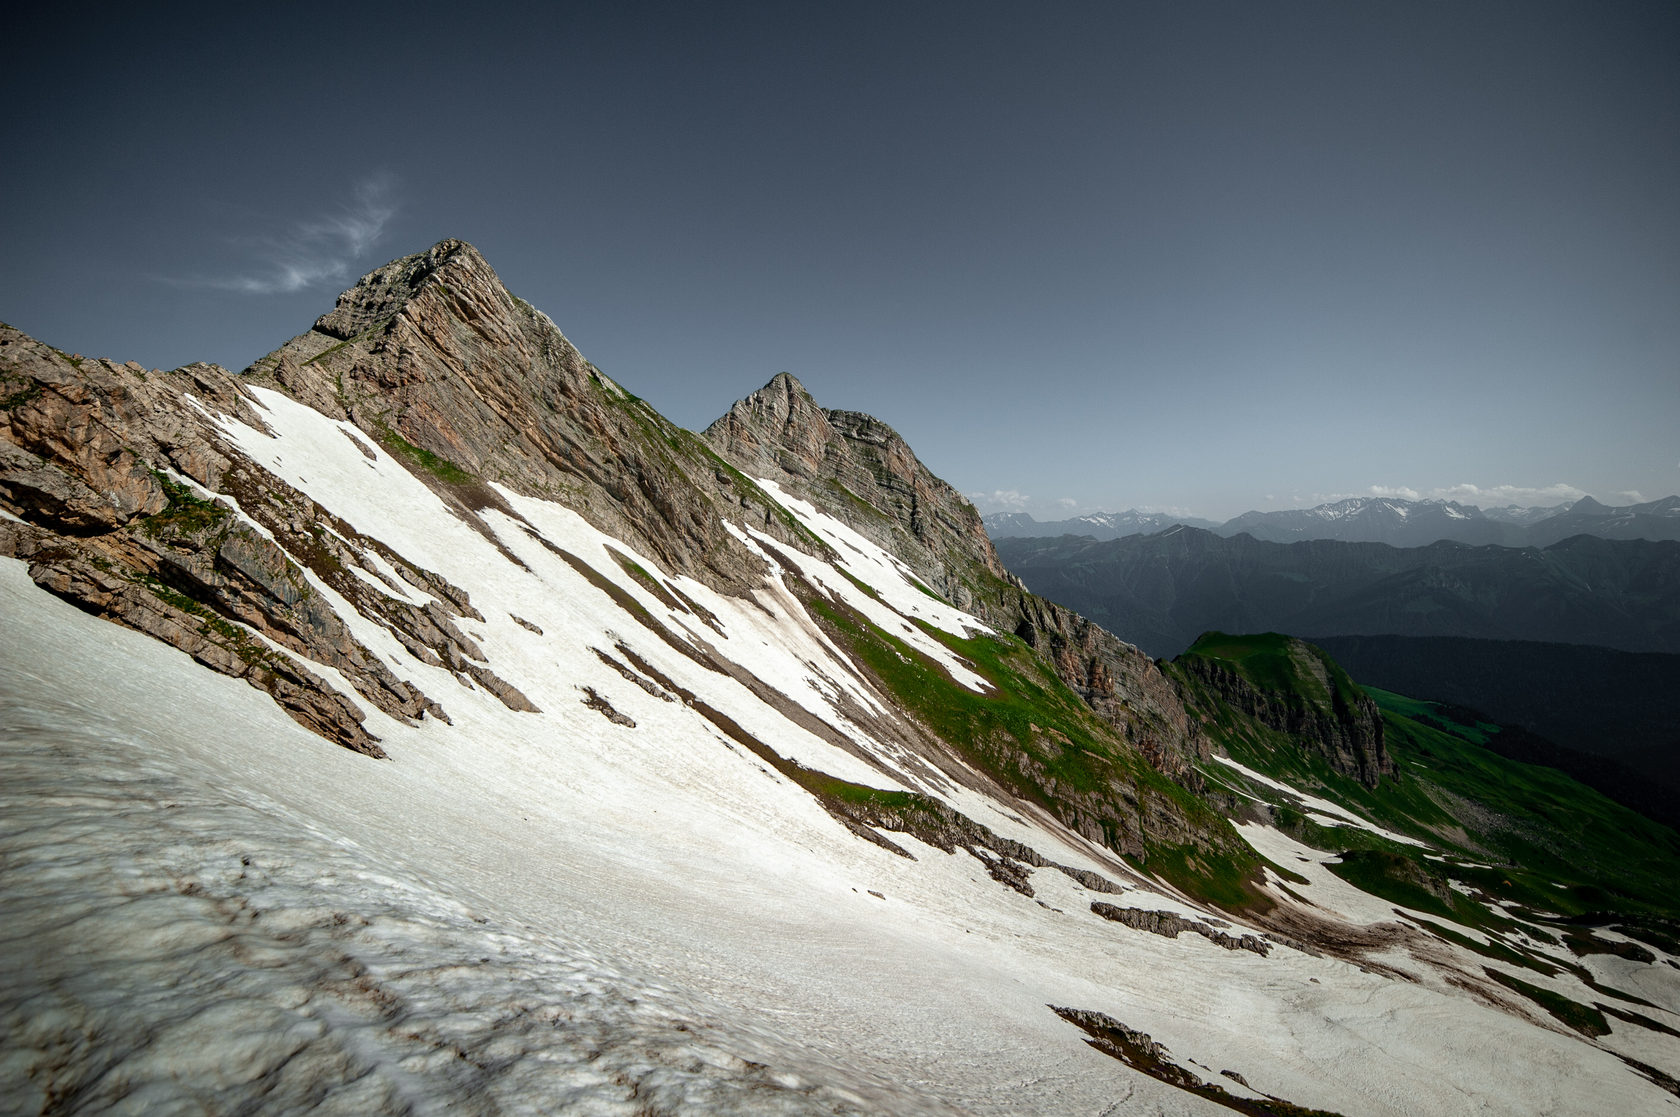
(1199,257)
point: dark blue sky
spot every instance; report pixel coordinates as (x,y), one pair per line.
(1208,257)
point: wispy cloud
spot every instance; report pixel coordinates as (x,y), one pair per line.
(325,249)
(1066,502)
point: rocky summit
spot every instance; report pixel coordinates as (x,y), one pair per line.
(418,720)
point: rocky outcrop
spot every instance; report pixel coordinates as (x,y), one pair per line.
(1143,1054)
(1168,925)
(1312,702)
(857,469)
(432,357)
(110,466)
(1124,686)
(936,824)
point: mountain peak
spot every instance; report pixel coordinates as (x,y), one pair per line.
(857,468)
(385,290)
(433,357)
(777,429)
(1587,506)
(787,383)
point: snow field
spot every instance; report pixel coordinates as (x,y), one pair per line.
(939,987)
(541,911)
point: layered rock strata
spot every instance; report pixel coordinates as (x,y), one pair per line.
(859,470)
(107,472)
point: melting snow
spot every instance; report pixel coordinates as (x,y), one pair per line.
(1330,812)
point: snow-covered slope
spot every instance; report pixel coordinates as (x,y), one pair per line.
(207,905)
(637,888)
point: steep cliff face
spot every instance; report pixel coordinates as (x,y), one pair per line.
(1294,688)
(433,357)
(858,469)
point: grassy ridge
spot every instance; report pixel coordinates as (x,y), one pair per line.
(1273,662)
(1516,832)
(1039,739)
(1563,846)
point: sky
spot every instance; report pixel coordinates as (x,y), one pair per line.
(1189,257)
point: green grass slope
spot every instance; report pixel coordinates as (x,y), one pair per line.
(1513,832)
(1039,740)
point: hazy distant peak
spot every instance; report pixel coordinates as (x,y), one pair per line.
(1587,506)
(1099,525)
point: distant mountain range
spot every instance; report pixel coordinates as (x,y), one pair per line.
(1574,644)
(1098,525)
(1162,591)
(1399,523)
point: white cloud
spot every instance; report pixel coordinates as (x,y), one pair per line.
(1066,502)
(1497,496)
(1490,496)
(999,500)
(322,250)
(1629,496)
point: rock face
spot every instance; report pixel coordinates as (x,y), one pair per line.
(1303,694)
(858,469)
(437,361)
(99,462)
(1168,925)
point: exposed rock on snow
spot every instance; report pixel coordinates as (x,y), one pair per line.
(1169,924)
